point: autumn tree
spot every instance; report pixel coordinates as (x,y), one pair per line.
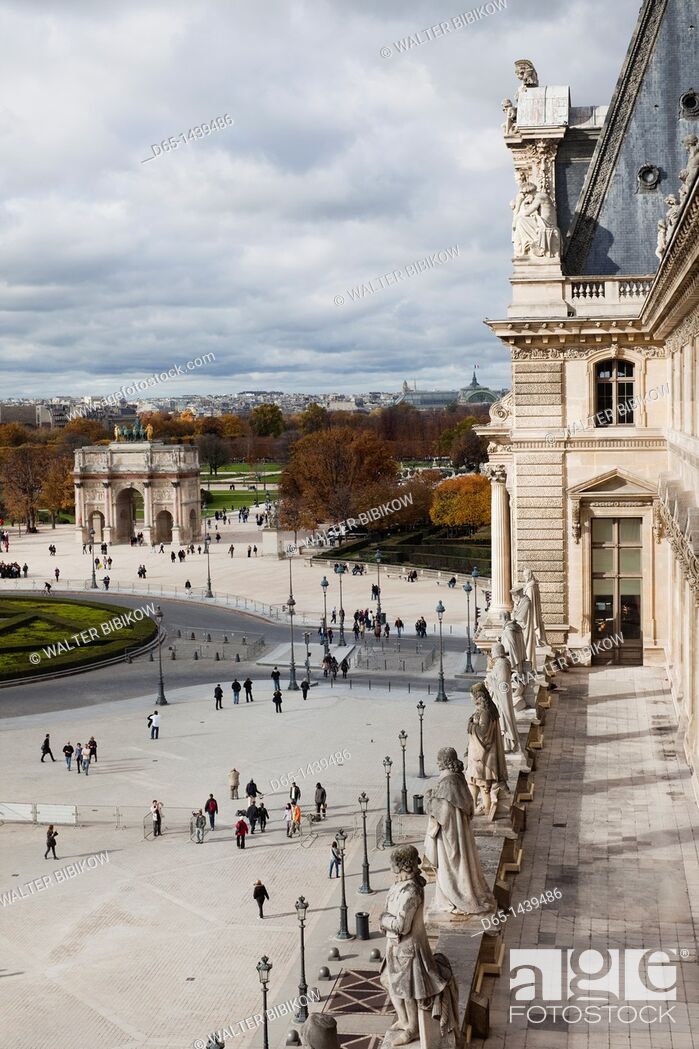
(12,435)
(79,432)
(462,503)
(232,426)
(57,491)
(22,473)
(266,420)
(314,418)
(208,424)
(214,451)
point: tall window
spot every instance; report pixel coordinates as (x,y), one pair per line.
(614,391)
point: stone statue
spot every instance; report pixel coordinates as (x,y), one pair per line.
(684,184)
(534,224)
(420,985)
(673,211)
(533,592)
(149,432)
(450,845)
(117,433)
(510,112)
(513,640)
(523,614)
(662,238)
(691,144)
(320,1032)
(525,71)
(486,769)
(498,681)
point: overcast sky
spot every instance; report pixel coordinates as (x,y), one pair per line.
(342,164)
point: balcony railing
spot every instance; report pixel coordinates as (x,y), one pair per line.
(588,296)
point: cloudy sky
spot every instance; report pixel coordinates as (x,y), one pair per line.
(341,164)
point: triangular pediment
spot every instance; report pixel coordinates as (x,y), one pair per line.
(615,484)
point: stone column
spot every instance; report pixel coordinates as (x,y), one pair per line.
(501,553)
(109,511)
(176,513)
(148,533)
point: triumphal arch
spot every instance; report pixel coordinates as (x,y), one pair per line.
(136,485)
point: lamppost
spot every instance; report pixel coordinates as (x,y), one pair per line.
(344,933)
(468,589)
(161,700)
(325,584)
(475,576)
(207,544)
(365,887)
(93,584)
(388,832)
(441,694)
(307,639)
(421,714)
(340,570)
(403,739)
(264,967)
(377,558)
(302,1015)
(293,684)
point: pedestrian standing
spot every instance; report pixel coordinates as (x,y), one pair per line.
(56,572)
(92,747)
(86,760)
(304,688)
(249,551)
(234,782)
(262,816)
(321,800)
(335,860)
(46,749)
(236,686)
(289,819)
(277,700)
(275,675)
(211,808)
(154,724)
(252,816)
(260,894)
(218,695)
(247,685)
(294,792)
(156,811)
(68,751)
(200,824)
(51,836)
(241,829)
(296,818)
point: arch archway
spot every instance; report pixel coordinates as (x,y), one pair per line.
(163,527)
(96,521)
(193,525)
(128,513)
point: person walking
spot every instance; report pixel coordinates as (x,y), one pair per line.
(92,747)
(234,782)
(289,819)
(200,824)
(247,685)
(276,677)
(154,724)
(262,816)
(211,808)
(251,791)
(321,798)
(241,829)
(294,792)
(277,700)
(252,814)
(344,667)
(260,894)
(296,818)
(51,836)
(68,751)
(218,695)
(236,686)
(86,760)
(79,757)
(304,688)
(156,811)
(335,860)
(56,572)
(46,749)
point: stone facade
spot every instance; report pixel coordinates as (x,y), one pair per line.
(111,481)
(594,456)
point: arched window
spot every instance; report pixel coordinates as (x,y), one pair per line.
(614,392)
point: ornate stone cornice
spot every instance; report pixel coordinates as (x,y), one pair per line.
(684,555)
(501,411)
(606,153)
(573,353)
(588,444)
(495,472)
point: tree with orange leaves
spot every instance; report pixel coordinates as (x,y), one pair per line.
(462,503)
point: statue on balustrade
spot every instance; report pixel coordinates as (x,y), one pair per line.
(498,681)
(486,768)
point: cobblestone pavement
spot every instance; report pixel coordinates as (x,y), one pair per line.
(613,826)
(157,946)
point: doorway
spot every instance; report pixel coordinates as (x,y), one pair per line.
(617,549)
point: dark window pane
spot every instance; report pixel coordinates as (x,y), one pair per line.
(604,370)
(604,404)
(625,412)
(624,369)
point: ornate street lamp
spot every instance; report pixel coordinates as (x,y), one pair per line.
(93,584)
(207,544)
(475,576)
(307,639)
(161,700)
(264,967)
(468,589)
(403,740)
(421,714)
(301,909)
(365,887)
(344,933)
(388,832)
(377,558)
(442,697)
(293,684)
(325,584)
(340,570)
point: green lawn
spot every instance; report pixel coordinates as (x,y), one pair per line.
(48,630)
(235,499)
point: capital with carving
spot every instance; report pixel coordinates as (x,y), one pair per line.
(495,472)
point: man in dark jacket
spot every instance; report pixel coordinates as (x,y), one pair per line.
(276,676)
(304,688)
(320,799)
(251,791)
(294,792)
(236,692)
(252,815)
(218,695)
(262,816)
(211,808)
(247,685)
(277,700)
(260,894)
(46,749)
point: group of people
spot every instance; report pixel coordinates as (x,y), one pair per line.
(421,627)
(5,540)
(83,756)
(11,570)
(331,667)
(141,572)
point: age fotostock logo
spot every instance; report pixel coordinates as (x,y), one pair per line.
(592,986)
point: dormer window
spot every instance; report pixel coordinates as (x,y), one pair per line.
(614,393)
